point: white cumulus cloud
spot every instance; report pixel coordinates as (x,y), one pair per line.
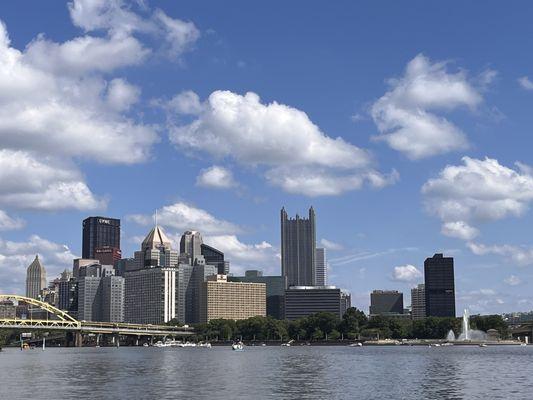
(407,115)
(216,177)
(298,156)
(406,273)
(183,216)
(512,280)
(526,83)
(519,255)
(477,191)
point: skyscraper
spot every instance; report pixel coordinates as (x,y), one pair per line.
(150,281)
(298,245)
(35,279)
(439,286)
(320,267)
(213,256)
(418,302)
(99,232)
(191,245)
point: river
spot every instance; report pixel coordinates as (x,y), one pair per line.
(308,372)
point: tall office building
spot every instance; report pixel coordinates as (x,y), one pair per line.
(108,255)
(150,281)
(191,245)
(213,256)
(439,286)
(185,294)
(231,300)
(386,302)
(320,267)
(35,279)
(99,232)
(418,302)
(275,290)
(298,244)
(112,300)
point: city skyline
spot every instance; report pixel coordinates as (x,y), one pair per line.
(382,207)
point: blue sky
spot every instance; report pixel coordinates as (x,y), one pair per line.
(407,127)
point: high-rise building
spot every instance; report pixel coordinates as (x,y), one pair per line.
(439,286)
(200,274)
(275,290)
(418,302)
(231,300)
(150,295)
(213,256)
(150,281)
(386,302)
(112,301)
(185,293)
(302,301)
(35,279)
(298,244)
(89,298)
(191,245)
(8,309)
(99,232)
(320,267)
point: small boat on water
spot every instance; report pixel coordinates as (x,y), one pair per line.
(482,345)
(288,344)
(358,344)
(239,346)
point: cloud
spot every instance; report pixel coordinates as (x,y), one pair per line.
(186,102)
(29,182)
(329,245)
(512,280)
(406,273)
(297,155)
(406,114)
(216,177)
(365,255)
(521,255)
(476,192)
(176,36)
(182,216)
(525,83)
(459,229)
(244,256)
(121,95)
(15,257)
(8,223)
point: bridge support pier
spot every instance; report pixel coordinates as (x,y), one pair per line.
(116,339)
(78,339)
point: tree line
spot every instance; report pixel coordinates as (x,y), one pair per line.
(353,325)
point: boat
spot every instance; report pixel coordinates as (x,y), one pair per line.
(358,344)
(482,345)
(204,345)
(288,344)
(523,344)
(239,346)
(145,345)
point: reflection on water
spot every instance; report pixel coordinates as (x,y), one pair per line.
(269,373)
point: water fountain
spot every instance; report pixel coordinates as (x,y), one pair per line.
(467,334)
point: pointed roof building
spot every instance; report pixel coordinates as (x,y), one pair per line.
(156,239)
(35,279)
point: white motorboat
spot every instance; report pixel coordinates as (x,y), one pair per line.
(239,346)
(204,345)
(358,344)
(288,344)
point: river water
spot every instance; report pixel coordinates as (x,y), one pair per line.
(308,372)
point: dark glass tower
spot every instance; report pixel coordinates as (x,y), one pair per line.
(439,286)
(298,246)
(100,232)
(215,257)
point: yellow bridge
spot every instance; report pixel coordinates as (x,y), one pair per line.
(63,321)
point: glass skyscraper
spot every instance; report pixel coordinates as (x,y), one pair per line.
(298,246)
(439,286)
(99,232)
